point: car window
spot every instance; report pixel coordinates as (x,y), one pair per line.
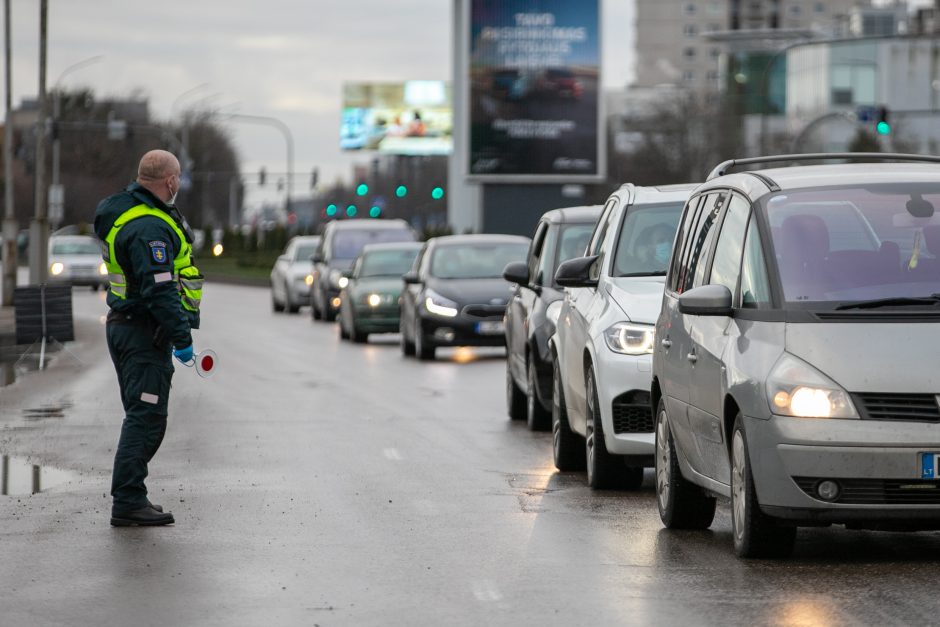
(483,260)
(573,240)
(600,230)
(645,239)
(755,286)
(727,263)
(688,218)
(837,245)
(76,247)
(535,251)
(386,263)
(702,243)
(348,243)
(545,271)
(303,252)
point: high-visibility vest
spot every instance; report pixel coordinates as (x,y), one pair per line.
(187,276)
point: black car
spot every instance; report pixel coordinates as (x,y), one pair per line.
(342,242)
(456,295)
(561,234)
(370,300)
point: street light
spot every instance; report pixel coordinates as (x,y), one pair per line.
(288,138)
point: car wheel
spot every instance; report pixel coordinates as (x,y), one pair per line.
(343,333)
(682,504)
(422,350)
(515,398)
(538,417)
(314,310)
(603,469)
(356,335)
(328,314)
(755,534)
(407,347)
(567,448)
(275,306)
(291,307)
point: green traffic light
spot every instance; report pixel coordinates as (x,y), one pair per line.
(362,190)
(331,210)
(375,212)
(437,193)
(883,128)
(401,191)
(351,210)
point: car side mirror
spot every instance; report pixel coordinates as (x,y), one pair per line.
(517,272)
(707,300)
(410,278)
(347,273)
(576,272)
(316,258)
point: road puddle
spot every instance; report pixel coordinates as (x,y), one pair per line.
(20,476)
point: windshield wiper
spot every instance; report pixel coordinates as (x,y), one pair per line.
(900,301)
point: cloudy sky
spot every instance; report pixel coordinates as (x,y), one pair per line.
(279,58)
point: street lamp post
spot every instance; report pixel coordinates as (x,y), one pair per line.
(39,229)
(288,138)
(9,217)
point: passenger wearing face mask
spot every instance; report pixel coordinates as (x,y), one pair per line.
(154,296)
(656,245)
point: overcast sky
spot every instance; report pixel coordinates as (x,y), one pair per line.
(280,58)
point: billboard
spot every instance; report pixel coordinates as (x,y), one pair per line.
(410,118)
(534,102)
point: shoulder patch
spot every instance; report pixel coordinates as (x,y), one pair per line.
(158,251)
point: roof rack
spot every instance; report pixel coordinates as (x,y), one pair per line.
(723,167)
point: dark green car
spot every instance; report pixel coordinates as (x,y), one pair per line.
(369,302)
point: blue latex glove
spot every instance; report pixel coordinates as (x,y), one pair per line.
(185,355)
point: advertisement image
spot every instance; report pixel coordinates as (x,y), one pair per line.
(410,118)
(534,89)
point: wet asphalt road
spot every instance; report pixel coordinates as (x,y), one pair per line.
(318,482)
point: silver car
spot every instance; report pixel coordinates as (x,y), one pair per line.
(291,276)
(795,369)
(76,259)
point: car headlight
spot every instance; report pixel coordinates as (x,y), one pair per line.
(102,268)
(308,280)
(553,312)
(630,339)
(374,300)
(57,268)
(794,388)
(338,280)
(438,305)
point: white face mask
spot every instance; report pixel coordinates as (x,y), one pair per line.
(172,199)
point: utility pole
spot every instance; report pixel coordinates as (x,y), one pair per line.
(10,226)
(39,229)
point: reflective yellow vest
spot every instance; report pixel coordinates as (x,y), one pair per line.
(186,275)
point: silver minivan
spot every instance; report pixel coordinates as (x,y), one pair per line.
(796,368)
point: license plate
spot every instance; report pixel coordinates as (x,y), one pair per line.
(928,465)
(490,328)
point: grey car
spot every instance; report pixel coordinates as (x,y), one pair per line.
(795,368)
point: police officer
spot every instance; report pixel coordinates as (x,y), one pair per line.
(154,297)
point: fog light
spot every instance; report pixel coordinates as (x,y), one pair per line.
(828,490)
(336,302)
(444,333)
(308,280)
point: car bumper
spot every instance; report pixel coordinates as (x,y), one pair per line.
(623,385)
(877,465)
(377,319)
(461,330)
(79,278)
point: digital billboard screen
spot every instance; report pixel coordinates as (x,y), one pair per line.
(534,74)
(410,118)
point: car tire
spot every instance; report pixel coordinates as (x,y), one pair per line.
(515,398)
(291,307)
(538,418)
(755,534)
(343,333)
(567,447)
(275,306)
(314,311)
(604,471)
(356,335)
(682,504)
(328,314)
(422,350)
(407,348)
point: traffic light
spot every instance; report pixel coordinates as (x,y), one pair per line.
(351,211)
(331,210)
(362,190)
(262,176)
(437,193)
(883,125)
(375,212)
(401,191)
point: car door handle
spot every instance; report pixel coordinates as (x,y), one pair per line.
(667,343)
(692,357)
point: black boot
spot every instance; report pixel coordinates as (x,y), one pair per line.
(144,517)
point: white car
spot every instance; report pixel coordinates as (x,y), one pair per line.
(292,276)
(602,349)
(76,259)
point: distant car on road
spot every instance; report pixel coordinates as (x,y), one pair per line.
(604,343)
(342,242)
(370,300)
(76,259)
(561,234)
(456,295)
(291,276)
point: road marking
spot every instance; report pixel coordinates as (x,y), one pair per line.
(486,591)
(392,454)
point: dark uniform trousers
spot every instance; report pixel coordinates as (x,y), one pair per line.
(144,369)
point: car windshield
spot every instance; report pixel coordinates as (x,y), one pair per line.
(305,251)
(475,261)
(76,247)
(386,262)
(645,241)
(839,245)
(347,244)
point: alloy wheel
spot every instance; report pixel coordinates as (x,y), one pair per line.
(738,484)
(663,461)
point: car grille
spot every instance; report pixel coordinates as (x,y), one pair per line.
(632,413)
(484,311)
(907,407)
(877,491)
